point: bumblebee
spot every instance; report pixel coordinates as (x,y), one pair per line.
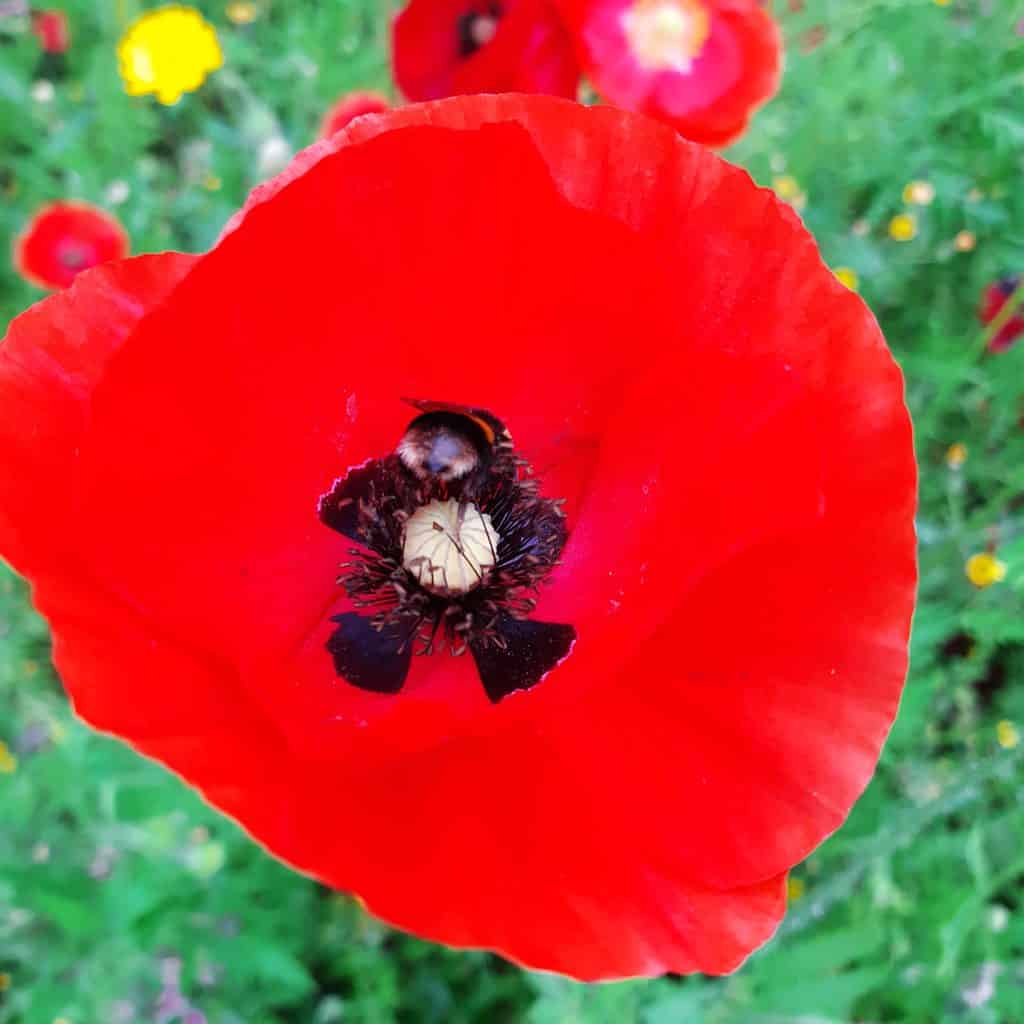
(453,444)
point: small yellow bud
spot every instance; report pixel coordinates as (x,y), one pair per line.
(903,227)
(795,889)
(786,187)
(984,569)
(849,277)
(956,455)
(8,762)
(1007,735)
(241,12)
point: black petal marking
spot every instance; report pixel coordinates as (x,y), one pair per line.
(530,650)
(339,508)
(371,659)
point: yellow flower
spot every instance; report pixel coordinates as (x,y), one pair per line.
(903,227)
(8,762)
(788,188)
(965,241)
(943,3)
(984,569)
(168,52)
(956,455)
(849,277)
(241,12)
(795,888)
(1007,735)
(920,193)
(5,982)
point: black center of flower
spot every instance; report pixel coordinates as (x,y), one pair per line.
(1008,285)
(73,256)
(454,541)
(476,28)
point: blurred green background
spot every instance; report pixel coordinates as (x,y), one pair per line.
(123,898)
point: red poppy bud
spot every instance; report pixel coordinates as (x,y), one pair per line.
(993,299)
(509,520)
(52,30)
(349,107)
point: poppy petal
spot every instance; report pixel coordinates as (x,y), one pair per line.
(50,362)
(180,706)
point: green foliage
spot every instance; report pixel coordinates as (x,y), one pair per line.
(119,887)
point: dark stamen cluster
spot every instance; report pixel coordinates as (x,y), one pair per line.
(448,453)
(532,533)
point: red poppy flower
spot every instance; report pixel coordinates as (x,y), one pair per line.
(65,238)
(993,299)
(351,106)
(456,47)
(52,31)
(704,66)
(683,635)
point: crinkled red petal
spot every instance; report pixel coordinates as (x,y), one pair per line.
(671,354)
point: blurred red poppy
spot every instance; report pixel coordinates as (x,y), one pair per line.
(703,66)
(351,106)
(52,31)
(65,238)
(685,632)
(993,299)
(458,47)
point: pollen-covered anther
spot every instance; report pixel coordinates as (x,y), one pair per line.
(449,546)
